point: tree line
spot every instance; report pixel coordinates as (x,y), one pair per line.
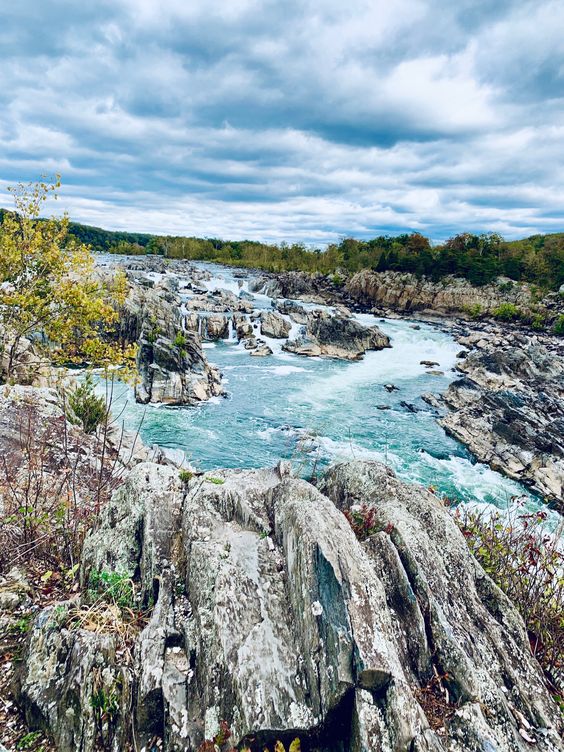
(480,258)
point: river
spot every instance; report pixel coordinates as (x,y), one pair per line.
(317,411)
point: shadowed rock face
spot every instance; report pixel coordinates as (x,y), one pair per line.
(270,614)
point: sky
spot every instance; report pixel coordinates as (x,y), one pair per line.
(292,120)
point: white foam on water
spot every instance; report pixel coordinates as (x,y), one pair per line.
(208,345)
(285,370)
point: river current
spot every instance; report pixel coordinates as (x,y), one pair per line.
(314,411)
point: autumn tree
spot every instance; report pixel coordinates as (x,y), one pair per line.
(48,292)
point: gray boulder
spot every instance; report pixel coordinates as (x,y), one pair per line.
(268,613)
(337,337)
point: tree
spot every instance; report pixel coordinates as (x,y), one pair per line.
(48,293)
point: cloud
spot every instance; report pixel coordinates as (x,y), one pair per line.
(289,121)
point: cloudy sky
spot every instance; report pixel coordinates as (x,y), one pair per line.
(289,119)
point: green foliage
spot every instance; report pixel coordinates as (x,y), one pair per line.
(363,521)
(558,327)
(216,481)
(105,703)
(112,587)
(474,311)
(48,292)
(526,563)
(90,409)
(180,340)
(507,312)
(185,475)
(27,741)
(481,259)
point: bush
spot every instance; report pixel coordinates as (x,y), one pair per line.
(524,560)
(474,311)
(90,409)
(507,312)
(558,327)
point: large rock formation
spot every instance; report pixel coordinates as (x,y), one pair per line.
(337,337)
(268,613)
(402,291)
(509,408)
(175,372)
(272,324)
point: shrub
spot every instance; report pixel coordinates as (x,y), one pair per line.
(90,409)
(524,560)
(474,311)
(507,312)
(363,521)
(112,587)
(185,475)
(180,340)
(558,327)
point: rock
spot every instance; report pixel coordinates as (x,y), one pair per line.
(297,313)
(243,326)
(435,373)
(272,324)
(383,407)
(409,407)
(261,351)
(175,374)
(402,291)
(269,614)
(508,409)
(429,363)
(215,326)
(391,388)
(337,337)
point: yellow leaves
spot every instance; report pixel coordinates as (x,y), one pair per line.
(47,287)
(295,746)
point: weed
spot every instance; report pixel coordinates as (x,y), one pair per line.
(87,406)
(526,563)
(217,481)
(185,476)
(112,587)
(363,521)
(27,741)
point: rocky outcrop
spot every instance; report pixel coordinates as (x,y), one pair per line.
(268,613)
(337,337)
(508,408)
(401,291)
(175,372)
(272,324)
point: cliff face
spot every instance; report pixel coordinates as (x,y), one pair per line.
(264,610)
(406,292)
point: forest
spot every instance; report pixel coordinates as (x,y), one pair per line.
(480,258)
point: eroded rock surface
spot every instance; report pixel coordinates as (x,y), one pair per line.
(267,612)
(509,408)
(337,337)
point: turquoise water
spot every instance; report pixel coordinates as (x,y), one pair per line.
(315,412)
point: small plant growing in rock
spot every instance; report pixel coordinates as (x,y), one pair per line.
(474,311)
(85,404)
(363,521)
(216,481)
(558,327)
(185,476)
(112,587)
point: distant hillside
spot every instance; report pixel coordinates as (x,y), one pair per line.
(102,240)
(538,259)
